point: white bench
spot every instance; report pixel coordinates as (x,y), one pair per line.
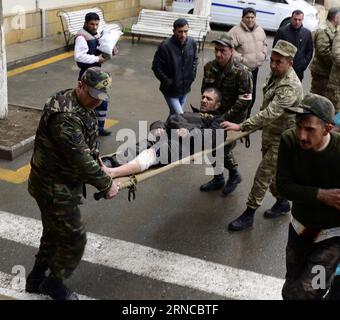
(73,21)
(157,23)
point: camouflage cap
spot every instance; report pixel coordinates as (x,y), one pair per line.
(316,105)
(225,40)
(285,48)
(99,82)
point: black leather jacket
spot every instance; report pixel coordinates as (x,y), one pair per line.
(302,39)
(175,66)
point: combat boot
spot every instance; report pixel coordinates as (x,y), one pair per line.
(244,221)
(55,288)
(233,181)
(215,184)
(334,293)
(280,207)
(35,278)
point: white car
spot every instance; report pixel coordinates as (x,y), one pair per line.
(271,14)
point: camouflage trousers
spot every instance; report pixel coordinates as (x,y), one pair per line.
(319,84)
(333,94)
(63,239)
(265,175)
(301,258)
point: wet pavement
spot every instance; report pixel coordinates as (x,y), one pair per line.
(169,213)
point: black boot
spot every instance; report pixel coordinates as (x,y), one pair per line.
(104,132)
(233,181)
(244,221)
(111,161)
(35,278)
(280,207)
(334,293)
(55,288)
(216,183)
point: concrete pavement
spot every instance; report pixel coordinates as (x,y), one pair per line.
(170,215)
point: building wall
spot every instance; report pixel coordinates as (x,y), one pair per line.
(26,25)
(331,3)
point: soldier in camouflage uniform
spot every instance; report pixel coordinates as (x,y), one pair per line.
(62,162)
(283,89)
(322,62)
(234,80)
(333,87)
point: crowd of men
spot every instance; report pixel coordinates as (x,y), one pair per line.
(298,137)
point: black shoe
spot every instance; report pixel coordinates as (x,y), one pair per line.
(244,221)
(111,162)
(334,293)
(104,133)
(33,282)
(280,208)
(233,181)
(56,289)
(215,184)
(35,278)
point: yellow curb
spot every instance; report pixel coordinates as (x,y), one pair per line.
(40,64)
(21,175)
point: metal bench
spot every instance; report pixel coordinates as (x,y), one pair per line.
(160,24)
(73,21)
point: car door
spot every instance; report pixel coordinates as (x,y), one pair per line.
(269,13)
(227,11)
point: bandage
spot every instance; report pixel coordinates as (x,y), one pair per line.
(146,159)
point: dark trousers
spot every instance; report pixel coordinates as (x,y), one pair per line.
(303,261)
(101,113)
(254,73)
(63,239)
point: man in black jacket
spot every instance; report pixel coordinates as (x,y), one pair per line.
(301,38)
(175,66)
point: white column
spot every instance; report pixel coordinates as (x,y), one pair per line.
(3,70)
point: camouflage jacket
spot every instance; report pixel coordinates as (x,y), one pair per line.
(334,77)
(278,93)
(323,39)
(236,85)
(62,160)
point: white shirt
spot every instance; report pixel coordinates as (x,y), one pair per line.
(80,52)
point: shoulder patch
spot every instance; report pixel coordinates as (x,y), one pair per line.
(76,137)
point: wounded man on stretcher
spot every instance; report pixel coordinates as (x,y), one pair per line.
(180,136)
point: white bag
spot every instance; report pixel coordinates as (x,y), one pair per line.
(108,39)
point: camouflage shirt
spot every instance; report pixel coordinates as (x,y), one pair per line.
(334,77)
(323,39)
(278,93)
(236,85)
(63,160)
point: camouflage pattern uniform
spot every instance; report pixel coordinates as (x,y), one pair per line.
(278,93)
(322,61)
(235,84)
(333,87)
(61,164)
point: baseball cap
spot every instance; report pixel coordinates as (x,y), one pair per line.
(225,40)
(99,83)
(285,48)
(316,105)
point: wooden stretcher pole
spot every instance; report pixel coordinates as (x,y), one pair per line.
(128,182)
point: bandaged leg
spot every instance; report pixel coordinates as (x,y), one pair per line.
(142,162)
